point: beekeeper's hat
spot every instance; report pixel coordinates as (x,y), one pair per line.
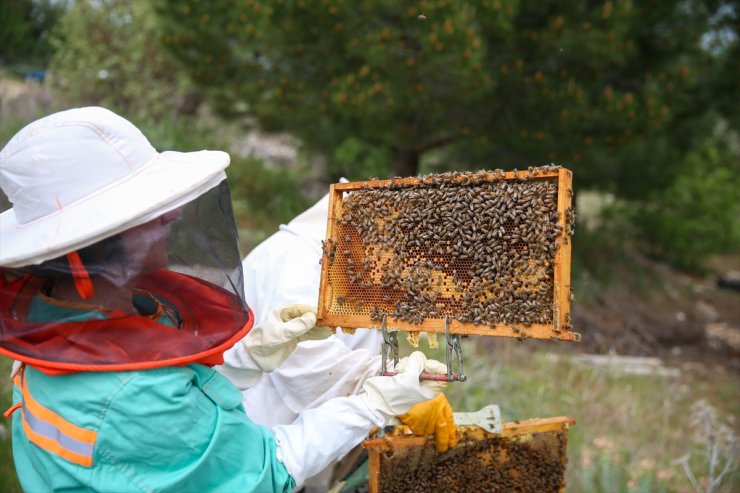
(81,175)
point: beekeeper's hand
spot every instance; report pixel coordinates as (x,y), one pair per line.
(393,396)
(323,434)
(433,417)
(272,341)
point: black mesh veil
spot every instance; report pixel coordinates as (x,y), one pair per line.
(203,242)
(200,239)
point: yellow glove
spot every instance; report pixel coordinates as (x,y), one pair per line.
(433,417)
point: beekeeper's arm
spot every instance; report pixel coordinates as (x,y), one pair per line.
(269,343)
(209,444)
(326,433)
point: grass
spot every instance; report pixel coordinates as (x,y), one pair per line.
(629,429)
(8,478)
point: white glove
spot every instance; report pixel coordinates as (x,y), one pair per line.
(393,396)
(272,341)
(321,435)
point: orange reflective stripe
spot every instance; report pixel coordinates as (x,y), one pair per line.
(55,447)
(53,433)
(69,429)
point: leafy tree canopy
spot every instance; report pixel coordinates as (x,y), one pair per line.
(494,82)
(107,52)
(24,31)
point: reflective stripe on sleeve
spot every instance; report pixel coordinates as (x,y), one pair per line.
(56,435)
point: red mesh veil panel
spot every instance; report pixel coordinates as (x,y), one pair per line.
(189,260)
(212,321)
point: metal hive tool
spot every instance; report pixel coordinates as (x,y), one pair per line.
(488,251)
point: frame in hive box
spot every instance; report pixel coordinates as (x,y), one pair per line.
(527,456)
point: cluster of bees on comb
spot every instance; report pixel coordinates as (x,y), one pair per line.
(478,247)
(530,466)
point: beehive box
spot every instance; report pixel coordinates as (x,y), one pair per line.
(527,457)
(489,251)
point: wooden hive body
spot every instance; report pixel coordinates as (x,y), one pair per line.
(528,457)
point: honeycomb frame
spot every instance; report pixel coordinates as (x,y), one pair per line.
(346,292)
(528,456)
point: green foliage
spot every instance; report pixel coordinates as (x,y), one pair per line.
(629,429)
(181,133)
(264,197)
(601,246)
(698,215)
(355,160)
(8,478)
(10,126)
(619,91)
(107,53)
(607,473)
(24,31)
(722,40)
(693,217)
(500,83)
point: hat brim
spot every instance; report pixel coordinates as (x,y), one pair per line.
(167,182)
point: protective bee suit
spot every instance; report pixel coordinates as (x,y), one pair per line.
(285,269)
(121,288)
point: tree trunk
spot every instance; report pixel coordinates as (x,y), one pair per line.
(406,162)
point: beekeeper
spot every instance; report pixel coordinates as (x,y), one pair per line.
(283,269)
(121,289)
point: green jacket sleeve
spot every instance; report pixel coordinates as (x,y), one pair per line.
(183,429)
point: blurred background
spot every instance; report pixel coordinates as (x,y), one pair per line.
(641,100)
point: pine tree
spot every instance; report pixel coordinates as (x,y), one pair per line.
(496,83)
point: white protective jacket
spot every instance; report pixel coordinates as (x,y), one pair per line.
(284,269)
